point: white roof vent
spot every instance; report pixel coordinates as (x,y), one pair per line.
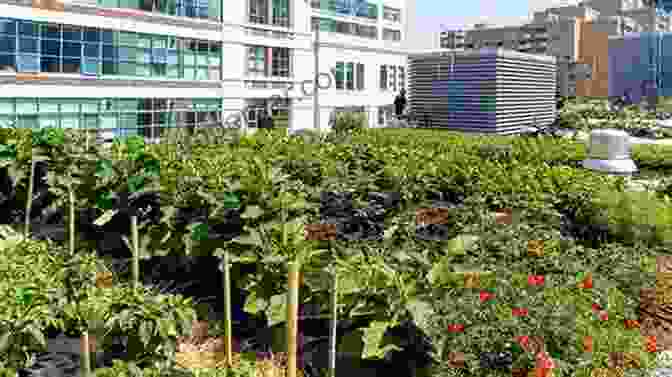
(609,152)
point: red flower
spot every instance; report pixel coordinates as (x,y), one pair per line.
(485,296)
(453,328)
(519,312)
(544,361)
(588,282)
(597,307)
(604,315)
(535,280)
(523,340)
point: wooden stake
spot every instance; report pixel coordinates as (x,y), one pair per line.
(227,308)
(292,317)
(29,202)
(334,323)
(136,251)
(85,360)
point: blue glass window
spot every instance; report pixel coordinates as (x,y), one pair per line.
(51,31)
(109,52)
(7,44)
(72,33)
(91,50)
(7,26)
(28,29)
(107,36)
(72,49)
(51,47)
(91,35)
(29,45)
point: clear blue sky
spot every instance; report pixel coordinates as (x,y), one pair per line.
(431,14)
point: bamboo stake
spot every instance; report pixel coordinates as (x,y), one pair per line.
(292,317)
(85,360)
(227,308)
(71,193)
(136,251)
(29,202)
(334,322)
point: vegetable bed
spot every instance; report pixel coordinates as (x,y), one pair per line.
(501,252)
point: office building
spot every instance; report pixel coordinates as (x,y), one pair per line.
(140,66)
(576,33)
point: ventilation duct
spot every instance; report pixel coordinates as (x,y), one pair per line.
(486,91)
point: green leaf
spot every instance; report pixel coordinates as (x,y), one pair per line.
(372,337)
(460,244)
(199,232)
(136,183)
(105,200)
(4,341)
(145,332)
(421,311)
(252,239)
(7,152)
(24,296)
(152,167)
(36,333)
(104,168)
(277,310)
(253,304)
(231,200)
(252,212)
(440,273)
(105,217)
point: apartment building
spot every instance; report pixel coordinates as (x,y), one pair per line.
(140,66)
(576,34)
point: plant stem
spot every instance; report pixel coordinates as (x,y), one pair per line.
(136,251)
(227,307)
(29,202)
(292,316)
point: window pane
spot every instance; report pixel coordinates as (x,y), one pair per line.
(7,62)
(6,106)
(109,53)
(29,28)
(50,64)
(108,36)
(72,33)
(7,44)
(71,65)
(8,27)
(72,49)
(51,31)
(26,106)
(28,45)
(91,50)
(340,72)
(110,68)
(51,47)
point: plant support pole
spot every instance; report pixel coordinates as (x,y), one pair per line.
(334,322)
(136,251)
(227,307)
(85,361)
(316,80)
(292,314)
(29,202)
(71,193)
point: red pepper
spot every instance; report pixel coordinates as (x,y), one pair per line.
(485,296)
(454,328)
(535,280)
(519,312)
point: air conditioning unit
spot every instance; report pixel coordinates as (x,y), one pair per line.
(609,152)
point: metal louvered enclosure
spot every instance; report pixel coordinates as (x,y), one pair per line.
(485,91)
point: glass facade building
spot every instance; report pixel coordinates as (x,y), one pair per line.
(126,116)
(31,46)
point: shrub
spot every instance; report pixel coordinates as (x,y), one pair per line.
(350,121)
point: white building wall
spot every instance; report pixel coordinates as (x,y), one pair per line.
(234,34)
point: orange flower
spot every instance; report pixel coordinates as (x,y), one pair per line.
(587,344)
(651,343)
(631,323)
